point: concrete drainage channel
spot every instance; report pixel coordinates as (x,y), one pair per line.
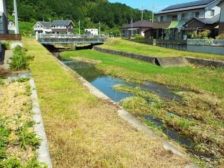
(127,116)
(43,151)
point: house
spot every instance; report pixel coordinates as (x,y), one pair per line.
(3,18)
(42,28)
(135,28)
(205,12)
(62,27)
(221,21)
(11,27)
(91,31)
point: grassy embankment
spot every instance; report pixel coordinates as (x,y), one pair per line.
(84,131)
(198,115)
(129,46)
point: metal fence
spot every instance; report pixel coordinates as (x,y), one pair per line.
(205,42)
(12,37)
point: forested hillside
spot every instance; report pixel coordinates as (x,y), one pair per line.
(90,12)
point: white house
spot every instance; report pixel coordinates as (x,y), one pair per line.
(91,31)
(3,19)
(42,27)
(202,11)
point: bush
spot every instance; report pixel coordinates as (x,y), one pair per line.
(220,36)
(138,37)
(6,45)
(20,60)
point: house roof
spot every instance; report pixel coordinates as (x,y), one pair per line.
(45,24)
(160,25)
(207,21)
(61,22)
(220,2)
(187,6)
(139,24)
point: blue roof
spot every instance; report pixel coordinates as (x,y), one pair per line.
(188,4)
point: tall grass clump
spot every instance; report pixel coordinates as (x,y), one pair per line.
(20,60)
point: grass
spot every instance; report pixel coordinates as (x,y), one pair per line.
(139,71)
(200,108)
(84,131)
(129,46)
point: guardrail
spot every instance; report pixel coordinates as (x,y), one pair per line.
(205,42)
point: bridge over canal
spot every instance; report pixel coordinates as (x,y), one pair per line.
(51,39)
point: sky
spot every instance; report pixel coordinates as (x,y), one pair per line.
(148,4)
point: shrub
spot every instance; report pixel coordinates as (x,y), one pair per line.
(20,60)
(6,45)
(220,36)
(138,37)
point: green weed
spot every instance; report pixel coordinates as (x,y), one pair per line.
(2,82)
(23,79)
(20,60)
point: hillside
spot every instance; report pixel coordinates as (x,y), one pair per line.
(89,12)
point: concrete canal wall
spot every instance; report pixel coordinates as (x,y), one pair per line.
(166,61)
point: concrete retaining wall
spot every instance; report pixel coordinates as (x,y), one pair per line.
(155,60)
(206,49)
(206,62)
(126,54)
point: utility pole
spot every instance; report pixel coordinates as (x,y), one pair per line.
(131,27)
(16,18)
(152,12)
(99,27)
(79,27)
(142,13)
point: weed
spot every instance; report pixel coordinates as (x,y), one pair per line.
(27,138)
(2,82)
(20,60)
(11,163)
(23,79)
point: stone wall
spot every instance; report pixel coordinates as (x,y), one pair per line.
(155,60)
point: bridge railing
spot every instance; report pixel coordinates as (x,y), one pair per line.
(70,38)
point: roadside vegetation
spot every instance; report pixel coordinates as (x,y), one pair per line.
(18,142)
(85,131)
(198,114)
(156,51)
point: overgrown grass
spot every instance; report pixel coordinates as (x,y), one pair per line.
(190,116)
(84,131)
(133,47)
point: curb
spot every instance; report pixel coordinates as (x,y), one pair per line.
(43,151)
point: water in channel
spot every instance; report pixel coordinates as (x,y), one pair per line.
(105,83)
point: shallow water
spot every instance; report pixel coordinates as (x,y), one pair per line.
(105,83)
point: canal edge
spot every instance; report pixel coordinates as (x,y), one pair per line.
(43,150)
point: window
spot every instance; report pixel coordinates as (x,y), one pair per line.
(211,12)
(183,16)
(197,14)
(161,18)
(174,17)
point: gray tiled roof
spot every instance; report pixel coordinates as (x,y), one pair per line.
(45,24)
(139,24)
(61,22)
(212,20)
